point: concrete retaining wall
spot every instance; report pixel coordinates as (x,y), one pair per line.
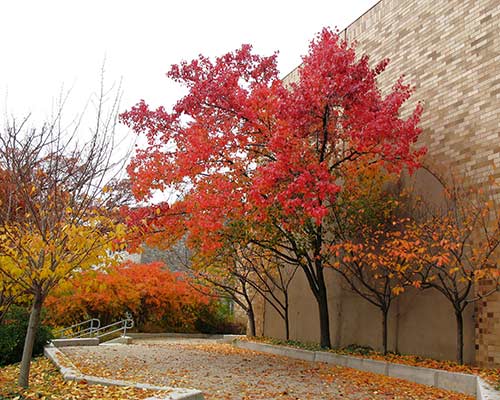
(458,382)
(485,391)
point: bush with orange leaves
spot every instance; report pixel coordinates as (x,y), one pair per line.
(158,299)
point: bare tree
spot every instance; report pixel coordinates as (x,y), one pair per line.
(270,277)
(242,271)
(233,286)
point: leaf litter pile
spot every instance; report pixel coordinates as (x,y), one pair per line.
(224,372)
(46,383)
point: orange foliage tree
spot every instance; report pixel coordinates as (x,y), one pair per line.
(455,247)
(370,220)
(150,292)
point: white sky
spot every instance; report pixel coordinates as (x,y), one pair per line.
(49,44)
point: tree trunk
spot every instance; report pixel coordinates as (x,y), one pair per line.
(396,348)
(287,326)
(287,316)
(29,342)
(321,297)
(384,329)
(460,336)
(324,320)
(338,311)
(251,322)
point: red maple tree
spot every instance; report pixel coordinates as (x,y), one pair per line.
(243,145)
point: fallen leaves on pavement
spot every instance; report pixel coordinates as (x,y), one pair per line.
(224,372)
(46,383)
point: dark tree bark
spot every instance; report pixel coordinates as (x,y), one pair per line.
(251,332)
(324,316)
(385,312)
(287,317)
(460,335)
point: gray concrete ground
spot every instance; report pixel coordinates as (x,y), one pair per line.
(222,372)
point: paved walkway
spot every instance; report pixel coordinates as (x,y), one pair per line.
(224,372)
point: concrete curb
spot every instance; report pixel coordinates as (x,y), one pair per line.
(454,381)
(71,373)
(485,391)
(75,342)
(118,340)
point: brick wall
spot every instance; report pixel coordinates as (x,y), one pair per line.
(450,51)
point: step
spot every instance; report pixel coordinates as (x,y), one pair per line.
(75,342)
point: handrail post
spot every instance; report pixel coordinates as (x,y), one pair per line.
(94,329)
(128,317)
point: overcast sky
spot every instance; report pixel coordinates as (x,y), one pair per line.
(49,44)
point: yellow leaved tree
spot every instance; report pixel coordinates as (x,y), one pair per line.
(55,218)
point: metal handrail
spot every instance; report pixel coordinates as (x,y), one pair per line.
(125,324)
(94,326)
(85,332)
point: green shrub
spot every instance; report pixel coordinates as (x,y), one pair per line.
(358,349)
(12,335)
(217,318)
